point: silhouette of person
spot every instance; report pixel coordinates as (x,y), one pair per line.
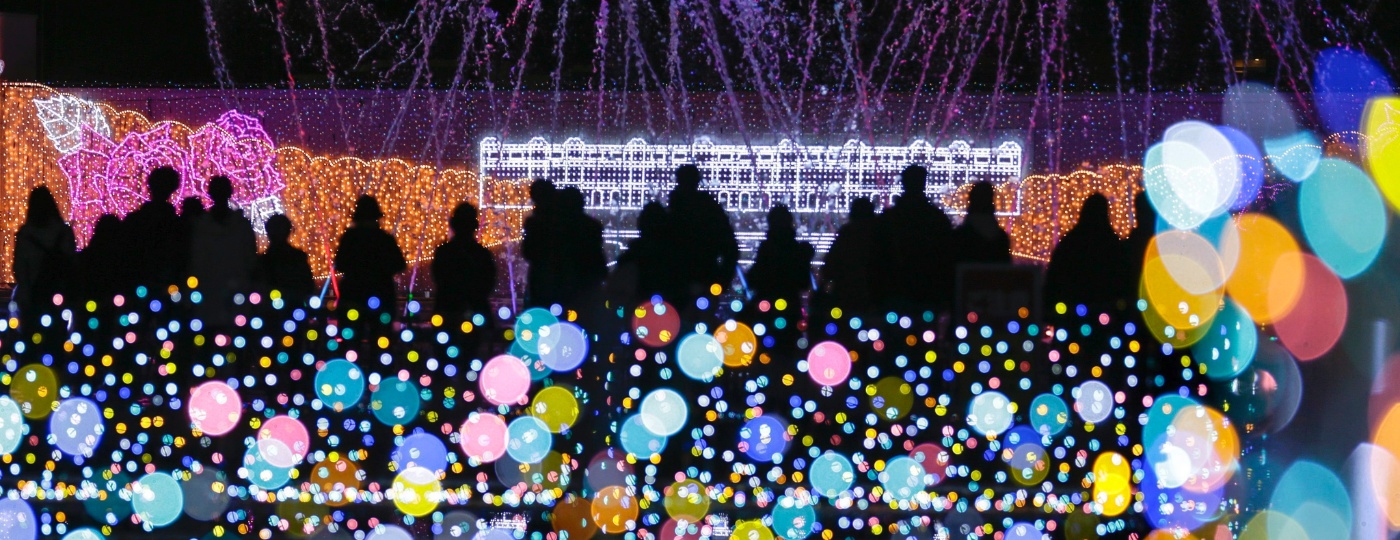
(581,262)
(1089,261)
(191,208)
(368,258)
(159,254)
(1136,244)
(223,252)
(706,248)
(847,274)
(980,239)
(914,241)
(45,253)
(283,267)
(648,266)
(540,245)
(100,264)
(464,272)
(782,267)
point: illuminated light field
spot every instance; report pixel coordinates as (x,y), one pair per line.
(1211,351)
(289,425)
(657,421)
(49,127)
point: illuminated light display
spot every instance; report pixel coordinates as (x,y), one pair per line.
(1385,440)
(1192,175)
(109,177)
(317,194)
(1317,500)
(1079,427)
(65,117)
(417,198)
(1343,217)
(1345,81)
(1268,278)
(746,179)
(1382,126)
(331,437)
(1315,320)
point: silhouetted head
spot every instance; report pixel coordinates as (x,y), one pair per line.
(913,180)
(652,219)
(279,228)
(1094,215)
(542,193)
(688,177)
(982,199)
(366,210)
(162,183)
(1144,213)
(106,226)
(780,221)
(862,209)
(220,191)
(464,219)
(43,209)
(191,206)
(571,199)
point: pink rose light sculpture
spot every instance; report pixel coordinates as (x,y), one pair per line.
(105,176)
(238,147)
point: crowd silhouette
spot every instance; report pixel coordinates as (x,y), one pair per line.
(904,258)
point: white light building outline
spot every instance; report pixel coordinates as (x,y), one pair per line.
(816,182)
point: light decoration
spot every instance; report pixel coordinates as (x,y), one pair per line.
(1382,151)
(64,117)
(109,177)
(417,199)
(816,182)
(428,440)
(318,196)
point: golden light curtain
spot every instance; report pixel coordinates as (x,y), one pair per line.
(418,199)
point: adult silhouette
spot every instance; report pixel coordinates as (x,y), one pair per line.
(283,267)
(914,248)
(464,271)
(782,267)
(706,248)
(368,259)
(101,269)
(847,274)
(648,267)
(1136,244)
(540,245)
(980,239)
(581,263)
(44,257)
(223,252)
(152,234)
(1089,261)
(191,208)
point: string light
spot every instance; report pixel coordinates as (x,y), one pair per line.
(317,192)
(817,182)
(64,117)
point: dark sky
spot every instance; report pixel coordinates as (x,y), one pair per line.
(122,42)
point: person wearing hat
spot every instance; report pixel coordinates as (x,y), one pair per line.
(464,276)
(368,259)
(283,267)
(464,272)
